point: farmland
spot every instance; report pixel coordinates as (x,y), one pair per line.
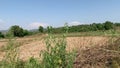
(90,47)
(59,33)
(32,46)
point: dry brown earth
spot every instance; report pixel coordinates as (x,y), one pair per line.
(31,46)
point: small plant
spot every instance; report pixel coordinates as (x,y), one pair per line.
(32,63)
(55,55)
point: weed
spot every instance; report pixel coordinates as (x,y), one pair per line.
(55,55)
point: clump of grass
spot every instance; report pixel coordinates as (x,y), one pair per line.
(33,63)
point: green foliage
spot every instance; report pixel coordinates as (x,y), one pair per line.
(100,26)
(41,29)
(32,63)
(94,27)
(117,24)
(16,31)
(1,35)
(88,27)
(20,32)
(108,25)
(26,32)
(55,55)
(50,29)
(9,35)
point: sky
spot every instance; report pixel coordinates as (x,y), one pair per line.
(29,14)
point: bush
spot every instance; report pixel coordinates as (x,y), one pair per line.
(26,32)
(108,25)
(16,31)
(41,29)
(1,35)
(55,55)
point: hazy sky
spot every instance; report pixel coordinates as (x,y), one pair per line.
(29,14)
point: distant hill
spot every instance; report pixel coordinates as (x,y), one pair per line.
(4,31)
(33,30)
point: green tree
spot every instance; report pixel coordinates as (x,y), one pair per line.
(94,27)
(108,25)
(41,29)
(1,35)
(16,31)
(100,26)
(49,29)
(117,24)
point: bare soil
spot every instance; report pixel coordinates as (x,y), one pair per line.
(31,46)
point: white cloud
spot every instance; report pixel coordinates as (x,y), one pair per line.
(35,25)
(75,23)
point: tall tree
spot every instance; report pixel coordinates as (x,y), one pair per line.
(41,29)
(1,35)
(108,25)
(16,31)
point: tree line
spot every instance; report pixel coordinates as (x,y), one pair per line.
(18,31)
(108,25)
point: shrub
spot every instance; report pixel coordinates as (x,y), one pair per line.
(26,32)
(41,29)
(55,55)
(1,35)
(108,25)
(16,31)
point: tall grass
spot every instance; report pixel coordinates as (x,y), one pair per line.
(56,55)
(11,58)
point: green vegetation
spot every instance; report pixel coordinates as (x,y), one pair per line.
(41,29)
(26,33)
(1,35)
(89,27)
(108,25)
(55,55)
(16,31)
